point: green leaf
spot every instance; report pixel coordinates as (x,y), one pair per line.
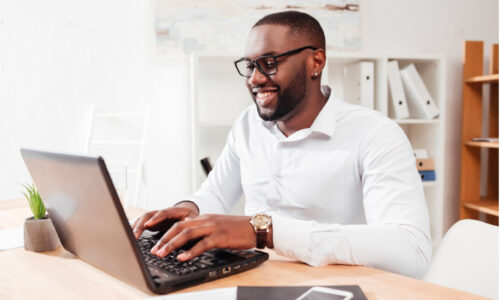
(34,200)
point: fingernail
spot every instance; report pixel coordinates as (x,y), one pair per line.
(147,223)
(184,256)
(162,252)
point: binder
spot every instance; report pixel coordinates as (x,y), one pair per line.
(399,107)
(420,103)
(427,175)
(420,153)
(359,84)
(425,164)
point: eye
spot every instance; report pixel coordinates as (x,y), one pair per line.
(267,63)
(249,65)
(270,63)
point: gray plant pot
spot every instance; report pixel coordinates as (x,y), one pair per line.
(40,235)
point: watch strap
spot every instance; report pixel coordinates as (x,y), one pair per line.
(261,238)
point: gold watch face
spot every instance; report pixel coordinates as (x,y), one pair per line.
(261,221)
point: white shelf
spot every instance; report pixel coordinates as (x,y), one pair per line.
(429,183)
(215,123)
(118,115)
(417,121)
(117,142)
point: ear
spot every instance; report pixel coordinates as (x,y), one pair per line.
(316,63)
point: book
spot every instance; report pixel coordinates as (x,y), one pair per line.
(359,84)
(425,164)
(485,139)
(399,106)
(427,175)
(420,153)
(420,103)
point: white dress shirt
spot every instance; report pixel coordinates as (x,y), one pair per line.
(344,191)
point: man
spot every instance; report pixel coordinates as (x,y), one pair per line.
(336,183)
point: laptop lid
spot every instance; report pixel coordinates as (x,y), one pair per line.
(83,204)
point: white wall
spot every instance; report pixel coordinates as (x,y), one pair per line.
(58,57)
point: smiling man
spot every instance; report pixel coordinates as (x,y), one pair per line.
(325,182)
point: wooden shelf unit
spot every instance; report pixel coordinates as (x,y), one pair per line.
(489,78)
(487,206)
(473,205)
(482,144)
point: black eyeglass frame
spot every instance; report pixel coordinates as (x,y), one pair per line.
(274,57)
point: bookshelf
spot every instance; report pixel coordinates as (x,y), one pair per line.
(476,203)
(219,95)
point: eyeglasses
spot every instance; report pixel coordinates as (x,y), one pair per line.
(266,64)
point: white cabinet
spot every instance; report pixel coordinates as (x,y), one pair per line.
(219,95)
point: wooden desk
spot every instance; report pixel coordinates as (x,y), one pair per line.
(60,275)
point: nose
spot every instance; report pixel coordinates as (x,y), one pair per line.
(257,78)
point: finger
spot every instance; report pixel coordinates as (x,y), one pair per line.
(138,226)
(135,222)
(186,235)
(173,231)
(205,244)
(169,213)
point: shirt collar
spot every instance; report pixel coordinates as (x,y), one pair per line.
(325,120)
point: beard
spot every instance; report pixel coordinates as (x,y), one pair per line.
(288,99)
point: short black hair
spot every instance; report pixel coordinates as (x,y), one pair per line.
(299,23)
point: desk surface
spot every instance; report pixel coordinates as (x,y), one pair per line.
(60,274)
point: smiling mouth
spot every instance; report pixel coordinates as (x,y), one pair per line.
(264,97)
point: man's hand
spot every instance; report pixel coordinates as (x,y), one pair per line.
(162,220)
(215,231)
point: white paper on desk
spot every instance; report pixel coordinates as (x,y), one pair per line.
(11,238)
(219,294)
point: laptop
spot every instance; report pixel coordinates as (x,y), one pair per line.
(87,214)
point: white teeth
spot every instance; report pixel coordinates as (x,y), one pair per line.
(264,94)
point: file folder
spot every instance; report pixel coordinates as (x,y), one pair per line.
(420,153)
(425,164)
(399,107)
(359,84)
(420,103)
(427,175)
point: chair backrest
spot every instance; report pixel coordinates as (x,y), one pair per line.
(119,137)
(467,259)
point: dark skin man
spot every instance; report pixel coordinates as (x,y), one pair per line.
(297,76)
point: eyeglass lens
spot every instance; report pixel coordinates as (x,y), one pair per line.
(267,65)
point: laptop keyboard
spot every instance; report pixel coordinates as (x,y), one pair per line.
(170,262)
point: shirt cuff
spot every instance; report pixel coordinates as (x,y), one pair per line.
(291,237)
(204,206)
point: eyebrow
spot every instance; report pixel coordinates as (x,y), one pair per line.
(264,54)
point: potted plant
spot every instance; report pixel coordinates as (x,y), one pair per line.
(39,232)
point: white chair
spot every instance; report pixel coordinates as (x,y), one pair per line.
(467,259)
(120,137)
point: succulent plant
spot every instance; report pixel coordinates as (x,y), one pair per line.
(34,200)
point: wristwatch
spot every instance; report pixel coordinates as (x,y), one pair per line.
(261,224)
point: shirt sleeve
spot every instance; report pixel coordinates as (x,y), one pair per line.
(396,235)
(222,188)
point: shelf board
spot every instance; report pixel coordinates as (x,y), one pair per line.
(416,121)
(488,206)
(490,78)
(116,142)
(482,144)
(429,183)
